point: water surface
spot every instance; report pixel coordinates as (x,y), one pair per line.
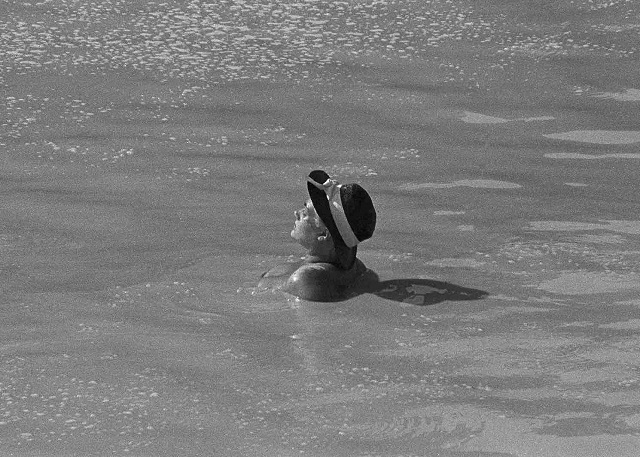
(152,156)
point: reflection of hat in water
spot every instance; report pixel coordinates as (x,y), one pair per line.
(346,210)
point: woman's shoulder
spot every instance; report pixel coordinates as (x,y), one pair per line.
(320,271)
(277,277)
(315,281)
(284,269)
(322,281)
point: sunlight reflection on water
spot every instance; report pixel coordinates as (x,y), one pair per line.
(153,153)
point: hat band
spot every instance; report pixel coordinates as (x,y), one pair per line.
(332,189)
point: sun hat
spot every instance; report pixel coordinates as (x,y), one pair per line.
(346,210)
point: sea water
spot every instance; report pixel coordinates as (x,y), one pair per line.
(152,155)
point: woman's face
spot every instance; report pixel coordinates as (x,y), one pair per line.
(307,226)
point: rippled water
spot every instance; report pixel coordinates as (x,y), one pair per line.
(153,154)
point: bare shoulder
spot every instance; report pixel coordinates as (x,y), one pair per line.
(315,282)
(321,272)
(277,277)
(322,281)
(284,269)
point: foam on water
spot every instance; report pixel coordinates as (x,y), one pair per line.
(630,227)
(585,283)
(456,263)
(632,324)
(474,183)
(152,156)
(628,95)
(448,213)
(477,118)
(580,156)
(598,136)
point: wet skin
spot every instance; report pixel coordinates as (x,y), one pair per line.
(316,277)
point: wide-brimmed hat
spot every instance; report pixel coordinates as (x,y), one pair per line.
(346,210)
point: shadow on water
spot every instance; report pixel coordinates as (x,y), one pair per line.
(417,291)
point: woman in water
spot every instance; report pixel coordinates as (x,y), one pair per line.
(333,221)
